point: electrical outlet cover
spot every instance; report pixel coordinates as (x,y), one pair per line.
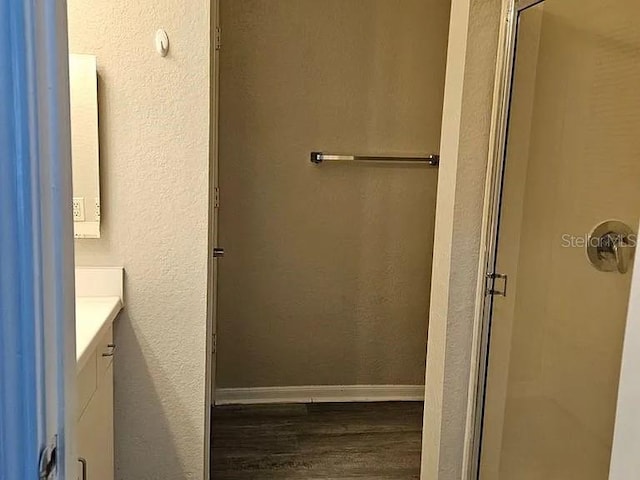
(78,209)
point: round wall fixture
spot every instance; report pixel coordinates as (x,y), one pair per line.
(610,246)
(162,42)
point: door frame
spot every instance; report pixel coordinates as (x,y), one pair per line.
(214,204)
(490,220)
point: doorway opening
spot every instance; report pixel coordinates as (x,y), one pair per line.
(323,291)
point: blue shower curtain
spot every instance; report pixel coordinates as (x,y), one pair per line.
(36,243)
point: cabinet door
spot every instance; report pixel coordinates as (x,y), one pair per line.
(95,431)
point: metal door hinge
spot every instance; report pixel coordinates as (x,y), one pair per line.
(218,252)
(214,347)
(218,38)
(48,460)
(491,284)
(216,197)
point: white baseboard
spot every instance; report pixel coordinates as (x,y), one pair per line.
(319,394)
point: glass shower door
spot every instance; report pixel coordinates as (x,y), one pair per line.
(569,212)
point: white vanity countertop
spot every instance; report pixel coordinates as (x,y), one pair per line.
(94,316)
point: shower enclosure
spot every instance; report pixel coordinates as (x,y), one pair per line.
(565,218)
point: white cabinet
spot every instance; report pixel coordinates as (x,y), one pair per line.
(94,429)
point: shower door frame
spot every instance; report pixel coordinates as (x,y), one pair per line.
(489,241)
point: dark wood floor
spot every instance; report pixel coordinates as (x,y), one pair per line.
(335,441)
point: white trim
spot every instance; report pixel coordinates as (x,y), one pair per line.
(320,394)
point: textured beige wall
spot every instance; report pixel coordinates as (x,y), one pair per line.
(327,271)
(154,131)
(466,123)
(581,169)
(596,73)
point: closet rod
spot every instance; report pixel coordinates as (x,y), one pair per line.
(432,160)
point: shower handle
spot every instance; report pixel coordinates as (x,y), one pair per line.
(617,246)
(610,246)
